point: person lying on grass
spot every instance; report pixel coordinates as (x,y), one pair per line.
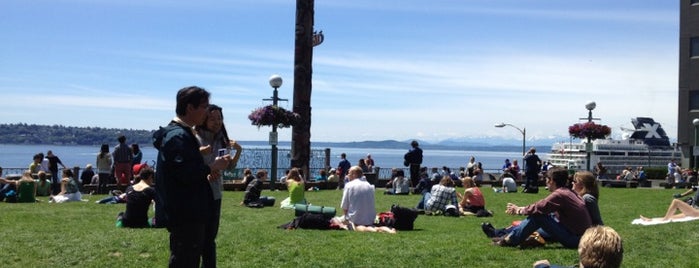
(685,211)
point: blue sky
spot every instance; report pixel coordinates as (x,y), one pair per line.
(429,70)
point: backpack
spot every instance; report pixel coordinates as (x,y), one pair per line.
(404,217)
(11,196)
(484,213)
(308,221)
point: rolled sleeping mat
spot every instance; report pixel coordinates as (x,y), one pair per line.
(328,212)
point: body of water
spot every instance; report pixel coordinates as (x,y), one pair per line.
(20,156)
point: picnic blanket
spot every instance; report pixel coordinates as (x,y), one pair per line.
(656,221)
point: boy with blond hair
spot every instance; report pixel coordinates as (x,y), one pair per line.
(600,247)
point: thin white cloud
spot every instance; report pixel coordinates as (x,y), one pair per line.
(584,10)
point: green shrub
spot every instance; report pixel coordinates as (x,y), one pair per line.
(656,173)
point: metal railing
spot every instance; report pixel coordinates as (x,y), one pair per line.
(260,158)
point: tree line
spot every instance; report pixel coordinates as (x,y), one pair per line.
(23,133)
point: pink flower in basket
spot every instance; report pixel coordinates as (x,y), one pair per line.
(589,130)
(273,115)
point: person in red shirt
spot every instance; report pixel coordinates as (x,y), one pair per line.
(561,216)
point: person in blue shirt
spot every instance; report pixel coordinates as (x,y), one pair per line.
(343,167)
(506,165)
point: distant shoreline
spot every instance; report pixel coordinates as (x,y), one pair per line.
(360,145)
(57,135)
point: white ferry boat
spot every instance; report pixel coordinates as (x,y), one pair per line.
(646,145)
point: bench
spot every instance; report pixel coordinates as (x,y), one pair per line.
(92,188)
(679,185)
(498,182)
(645,184)
(619,183)
(237,185)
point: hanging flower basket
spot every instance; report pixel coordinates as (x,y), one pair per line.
(589,130)
(271,115)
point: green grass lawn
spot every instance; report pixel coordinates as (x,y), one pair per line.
(83,234)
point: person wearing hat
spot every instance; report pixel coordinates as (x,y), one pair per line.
(86,175)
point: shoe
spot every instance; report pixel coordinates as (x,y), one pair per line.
(502,241)
(533,241)
(488,229)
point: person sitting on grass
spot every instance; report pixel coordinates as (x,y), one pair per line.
(585,184)
(690,200)
(87,174)
(253,192)
(424,185)
(25,187)
(600,247)
(359,209)
(43,187)
(70,190)
(333,177)
(322,176)
(295,184)
(508,183)
(7,187)
(138,198)
(442,194)
(399,185)
(561,216)
(247,176)
(472,201)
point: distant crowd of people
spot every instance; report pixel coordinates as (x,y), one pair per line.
(116,167)
(194,149)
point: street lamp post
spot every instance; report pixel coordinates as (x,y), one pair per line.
(524,135)
(275,81)
(588,147)
(695,122)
